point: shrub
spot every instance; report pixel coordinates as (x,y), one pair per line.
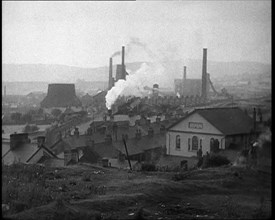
(181,176)
(30,128)
(148,167)
(231,210)
(86,177)
(215,161)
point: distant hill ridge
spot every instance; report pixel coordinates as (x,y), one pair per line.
(62,73)
(24,78)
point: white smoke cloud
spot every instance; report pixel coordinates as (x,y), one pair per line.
(265,136)
(146,75)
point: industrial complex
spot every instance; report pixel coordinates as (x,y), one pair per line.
(177,123)
(163,145)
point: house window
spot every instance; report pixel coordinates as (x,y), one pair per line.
(189,144)
(195,143)
(212,144)
(200,143)
(177,142)
(217,144)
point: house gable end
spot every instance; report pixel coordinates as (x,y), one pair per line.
(195,123)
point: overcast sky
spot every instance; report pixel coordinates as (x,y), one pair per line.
(86,34)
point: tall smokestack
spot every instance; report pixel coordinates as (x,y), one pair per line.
(254,119)
(184,73)
(204,74)
(123,51)
(110,74)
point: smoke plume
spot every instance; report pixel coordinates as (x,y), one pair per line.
(147,75)
(130,47)
(117,53)
(265,136)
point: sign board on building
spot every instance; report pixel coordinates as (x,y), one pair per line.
(195,125)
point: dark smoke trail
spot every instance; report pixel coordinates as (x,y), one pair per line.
(137,42)
(116,54)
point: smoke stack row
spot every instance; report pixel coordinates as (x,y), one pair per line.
(204,74)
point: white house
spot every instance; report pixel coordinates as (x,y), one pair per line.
(208,128)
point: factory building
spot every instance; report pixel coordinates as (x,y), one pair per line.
(120,70)
(194,87)
(209,129)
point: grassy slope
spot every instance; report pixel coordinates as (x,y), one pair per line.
(226,192)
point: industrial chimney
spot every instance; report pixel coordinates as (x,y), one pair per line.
(123,63)
(123,51)
(254,119)
(184,73)
(110,74)
(204,74)
(120,70)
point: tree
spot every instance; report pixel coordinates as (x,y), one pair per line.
(56,112)
(30,128)
(16,116)
(40,111)
(26,117)
(32,112)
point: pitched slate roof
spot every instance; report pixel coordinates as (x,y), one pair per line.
(76,142)
(105,149)
(20,154)
(89,156)
(48,151)
(137,146)
(229,121)
(70,143)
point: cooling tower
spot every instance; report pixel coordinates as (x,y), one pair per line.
(61,95)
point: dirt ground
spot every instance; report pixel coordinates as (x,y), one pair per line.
(89,192)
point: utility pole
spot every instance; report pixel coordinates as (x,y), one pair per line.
(124,141)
